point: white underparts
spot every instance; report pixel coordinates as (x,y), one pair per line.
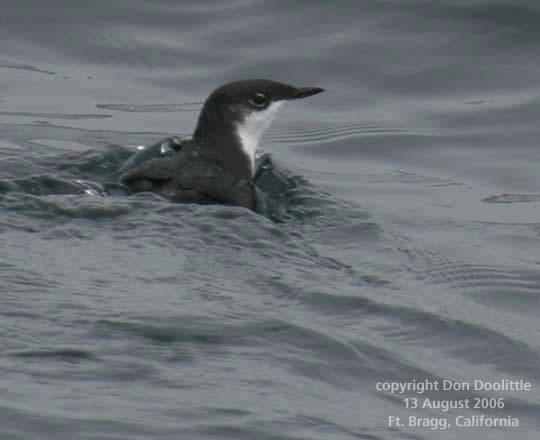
(253,126)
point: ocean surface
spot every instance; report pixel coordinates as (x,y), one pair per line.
(402,245)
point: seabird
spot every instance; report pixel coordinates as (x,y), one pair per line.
(217,164)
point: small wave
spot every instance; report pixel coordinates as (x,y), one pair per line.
(495,285)
(89,164)
(453,337)
(513,198)
(410,178)
(66,116)
(205,330)
(72,354)
(43,185)
(64,206)
(5,145)
(10,65)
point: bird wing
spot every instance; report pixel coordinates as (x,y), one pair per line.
(208,177)
(187,178)
(144,176)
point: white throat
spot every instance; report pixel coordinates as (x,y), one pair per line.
(253,126)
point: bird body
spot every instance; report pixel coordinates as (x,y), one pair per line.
(218,163)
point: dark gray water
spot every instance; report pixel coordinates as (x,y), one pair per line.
(407,247)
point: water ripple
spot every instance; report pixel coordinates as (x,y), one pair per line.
(513,198)
(4,64)
(66,116)
(322,132)
(70,354)
(153,108)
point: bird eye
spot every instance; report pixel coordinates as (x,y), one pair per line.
(259,100)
